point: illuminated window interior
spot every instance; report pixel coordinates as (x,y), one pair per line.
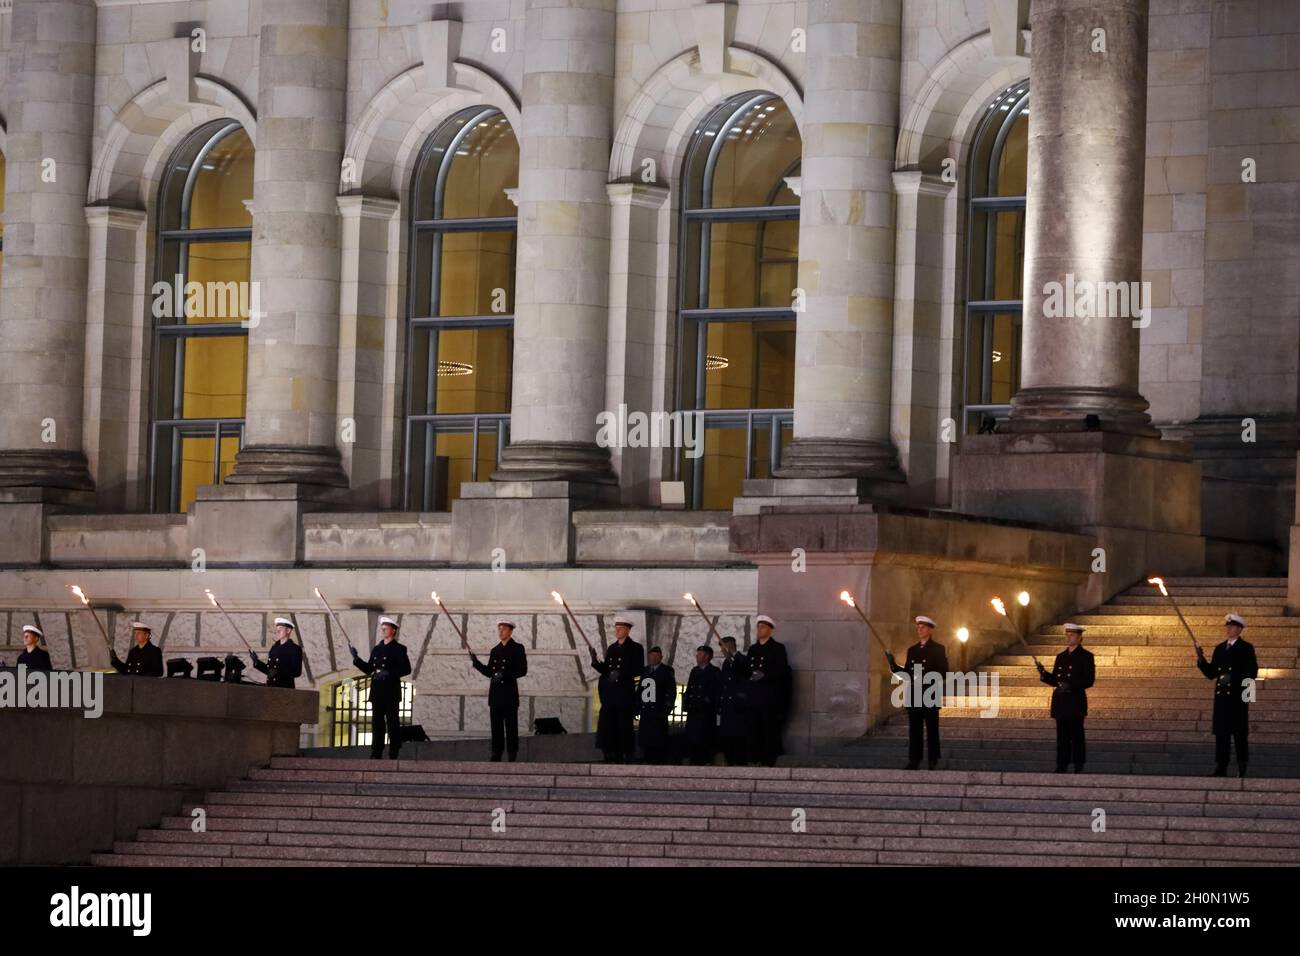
(739,269)
(350,713)
(995,259)
(460,306)
(201,354)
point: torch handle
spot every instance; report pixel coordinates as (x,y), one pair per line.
(99,624)
(713,632)
(1187,627)
(343,630)
(234,627)
(574,619)
(867,621)
(464,642)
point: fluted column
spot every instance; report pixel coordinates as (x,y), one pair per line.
(1083,229)
(844,338)
(562,270)
(291,433)
(50,112)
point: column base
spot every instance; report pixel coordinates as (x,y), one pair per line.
(522,522)
(568,461)
(289,464)
(1069,409)
(839,458)
(44,468)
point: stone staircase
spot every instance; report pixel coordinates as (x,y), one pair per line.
(306,811)
(1150,710)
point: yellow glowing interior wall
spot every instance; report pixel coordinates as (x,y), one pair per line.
(215,369)
(474,266)
(487,388)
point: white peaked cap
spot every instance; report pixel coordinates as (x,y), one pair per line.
(141,626)
(388,620)
(34,629)
(1234,619)
(764,619)
(624,619)
(1077,628)
(922,619)
(506,621)
(285,621)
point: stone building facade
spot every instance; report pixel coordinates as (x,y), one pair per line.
(470,241)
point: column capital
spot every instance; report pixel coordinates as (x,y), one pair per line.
(368,207)
(115,217)
(646,195)
(910,182)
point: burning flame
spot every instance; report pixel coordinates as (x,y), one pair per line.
(999,606)
(1160,583)
(80,593)
(847,598)
(434,595)
(688,597)
(317,590)
(963,634)
(1023,598)
(559,598)
(211,597)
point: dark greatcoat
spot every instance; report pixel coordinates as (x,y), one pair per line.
(1229,668)
(1072,674)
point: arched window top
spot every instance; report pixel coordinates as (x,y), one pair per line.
(742,154)
(466,167)
(999,159)
(209,180)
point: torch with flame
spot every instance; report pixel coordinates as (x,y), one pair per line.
(1160,583)
(707,620)
(847,598)
(464,641)
(337,623)
(217,604)
(559,599)
(1000,606)
(76,589)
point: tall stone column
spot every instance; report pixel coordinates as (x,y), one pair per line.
(844,338)
(291,434)
(50,111)
(562,270)
(1083,227)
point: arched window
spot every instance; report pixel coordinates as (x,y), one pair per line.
(739,266)
(460,306)
(995,258)
(201,303)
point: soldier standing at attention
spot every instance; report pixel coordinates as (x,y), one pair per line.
(144,659)
(733,725)
(1230,667)
(624,661)
(703,695)
(387,666)
(1072,675)
(34,656)
(922,720)
(284,662)
(656,707)
(769,692)
(506,664)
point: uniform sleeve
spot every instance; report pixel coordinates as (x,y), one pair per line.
(1207,667)
(482,668)
(296,670)
(520,663)
(672,688)
(156,663)
(1251,665)
(942,665)
(1089,675)
(403,665)
(599,665)
(1049,677)
(366,667)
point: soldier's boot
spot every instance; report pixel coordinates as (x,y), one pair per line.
(911,765)
(496,758)
(1241,770)
(1220,772)
(512,756)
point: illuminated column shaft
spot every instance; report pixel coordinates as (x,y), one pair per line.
(1087,139)
(50,112)
(292,433)
(844,338)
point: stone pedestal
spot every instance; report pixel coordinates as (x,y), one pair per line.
(23,510)
(531,522)
(1139,496)
(255,524)
(897,563)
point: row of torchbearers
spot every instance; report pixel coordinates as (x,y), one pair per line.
(739,707)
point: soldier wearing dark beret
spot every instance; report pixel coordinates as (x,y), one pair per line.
(658,698)
(701,702)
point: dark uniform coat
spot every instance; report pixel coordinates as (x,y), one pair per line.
(701,702)
(619,671)
(1229,668)
(770,677)
(284,665)
(735,696)
(506,664)
(37,659)
(387,666)
(1072,674)
(146,661)
(654,714)
(933,660)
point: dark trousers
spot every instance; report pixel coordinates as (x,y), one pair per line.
(385,715)
(701,730)
(765,735)
(505,731)
(922,722)
(735,750)
(1222,748)
(1070,742)
(617,731)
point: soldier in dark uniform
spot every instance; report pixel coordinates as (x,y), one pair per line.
(733,725)
(769,692)
(656,706)
(624,661)
(507,662)
(285,658)
(703,696)
(1230,667)
(1072,675)
(34,656)
(387,666)
(922,714)
(144,659)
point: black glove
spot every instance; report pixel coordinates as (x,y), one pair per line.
(1200,654)
(355,655)
(1041,668)
(473,657)
(112,656)
(253,655)
(890,657)
(594,658)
